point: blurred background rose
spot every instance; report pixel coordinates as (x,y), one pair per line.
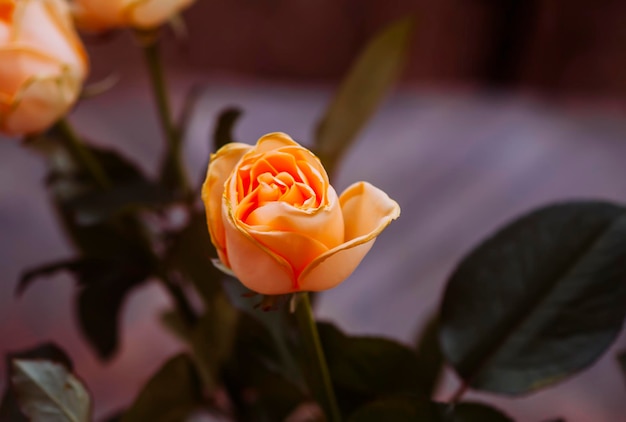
(505,105)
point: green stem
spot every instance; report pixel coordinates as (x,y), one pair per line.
(322,386)
(172,133)
(82,155)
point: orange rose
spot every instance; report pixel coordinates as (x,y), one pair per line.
(278,224)
(42,64)
(100,15)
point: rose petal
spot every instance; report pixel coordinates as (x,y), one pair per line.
(21,65)
(273,141)
(257,267)
(324,224)
(220,167)
(297,249)
(152,13)
(366,211)
(39,105)
(46,26)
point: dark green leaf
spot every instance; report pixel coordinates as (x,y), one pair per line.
(403,410)
(9,407)
(104,284)
(256,376)
(94,207)
(100,301)
(365,86)
(540,300)
(190,254)
(170,395)
(477,412)
(47,391)
(429,356)
(226,121)
(366,368)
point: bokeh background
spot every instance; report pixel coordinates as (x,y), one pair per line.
(505,105)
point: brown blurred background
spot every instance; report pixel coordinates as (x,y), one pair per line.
(558,47)
(460,160)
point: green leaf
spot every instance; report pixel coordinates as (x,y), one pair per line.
(477,412)
(372,75)
(226,121)
(190,254)
(257,377)
(103,286)
(130,197)
(170,395)
(366,368)
(9,407)
(540,300)
(47,391)
(403,410)
(429,356)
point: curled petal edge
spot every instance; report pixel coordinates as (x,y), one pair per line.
(334,266)
(220,167)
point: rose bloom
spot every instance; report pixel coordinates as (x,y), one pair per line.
(101,15)
(278,224)
(42,64)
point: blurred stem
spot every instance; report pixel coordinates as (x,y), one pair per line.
(322,386)
(173,135)
(82,155)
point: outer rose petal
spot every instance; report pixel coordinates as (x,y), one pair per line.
(273,141)
(220,167)
(152,13)
(367,211)
(39,105)
(257,267)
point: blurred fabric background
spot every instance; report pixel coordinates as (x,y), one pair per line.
(504,106)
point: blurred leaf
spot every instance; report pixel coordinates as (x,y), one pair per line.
(540,300)
(134,196)
(190,254)
(170,395)
(47,391)
(477,412)
(100,302)
(211,339)
(372,75)
(256,377)
(226,121)
(9,407)
(100,87)
(366,368)
(103,285)
(403,410)
(114,255)
(429,356)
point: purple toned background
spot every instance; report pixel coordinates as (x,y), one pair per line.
(460,156)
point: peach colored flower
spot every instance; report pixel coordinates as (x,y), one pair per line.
(278,224)
(101,15)
(42,64)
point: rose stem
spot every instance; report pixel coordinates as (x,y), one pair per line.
(150,46)
(308,328)
(82,155)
